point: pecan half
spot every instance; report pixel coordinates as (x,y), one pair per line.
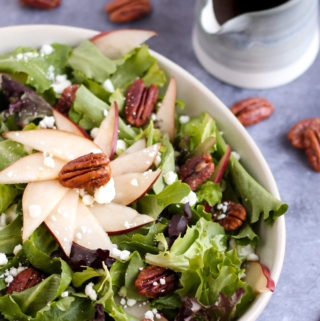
(89,171)
(229,215)
(140,102)
(127,10)
(252,110)
(24,280)
(41,4)
(155,281)
(296,134)
(196,170)
(312,144)
(66,99)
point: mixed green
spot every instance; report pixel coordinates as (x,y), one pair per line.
(183,238)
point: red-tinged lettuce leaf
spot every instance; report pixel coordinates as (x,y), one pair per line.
(223,310)
(25,104)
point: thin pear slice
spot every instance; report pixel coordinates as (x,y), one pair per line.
(136,146)
(130,187)
(62,219)
(165,114)
(117,219)
(116,43)
(108,132)
(31,168)
(88,232)
(38,201)
(138,162)
(66,124)
(61,144)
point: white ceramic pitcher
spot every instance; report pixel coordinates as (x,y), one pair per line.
(258,49)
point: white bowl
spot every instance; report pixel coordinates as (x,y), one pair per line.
(198,98)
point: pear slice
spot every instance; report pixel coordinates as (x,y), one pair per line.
(117,219)
(66,124)
(60,144)
(136,146)
(165,114)
(31,168)
(61,220)
(108,132)
(138,161)
(116,43)
(38,201)
(88,232)
(132,186)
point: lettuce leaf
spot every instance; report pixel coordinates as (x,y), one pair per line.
(10,236)
(10,152)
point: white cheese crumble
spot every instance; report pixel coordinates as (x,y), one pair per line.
(245,252)
(108,86)
(149,315)
(3,259)
(47,122)
(94,132)
(121,146)
(106,193)
(235,155)
(34,211)
(153,116)
(118,254)
(60,83)
(17,248)
(131,302)
(191,199)
(64,294)
(49,161)
(170,177)
(184,119)
(90,292)
(46,49)
(157,160)
(87,200)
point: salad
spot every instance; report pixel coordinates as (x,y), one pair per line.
(114,204)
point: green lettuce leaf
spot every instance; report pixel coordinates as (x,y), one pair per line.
(10,152)
(8,195)
(89,60)
(10,236)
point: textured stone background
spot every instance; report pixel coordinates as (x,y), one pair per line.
(298,291)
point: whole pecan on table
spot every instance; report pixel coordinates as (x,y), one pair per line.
(89,171)
(296,134)
(41,4)
(229,215)
(66,99)
(196,171)
(252,110)
(140,102)
(155,281)
(312,146)
(25,279)
(121,11)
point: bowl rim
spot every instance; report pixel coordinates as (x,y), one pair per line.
(72,35)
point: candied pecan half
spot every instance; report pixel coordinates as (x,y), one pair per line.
(196,170)
(66,99)
(127,10)
(89,171)
(252,110)
(297,132)
(140,102)
(229,215)
(155,281)
(41,4)
(25,279)
(312,145)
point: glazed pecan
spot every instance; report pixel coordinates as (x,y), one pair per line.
(66,99)
(89,171)
(229,214)
(296,134)
(155,281)
(140,102)
(127,10)
(312,145)
(196,170)
(252,110)
(41,4)
(25,280)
